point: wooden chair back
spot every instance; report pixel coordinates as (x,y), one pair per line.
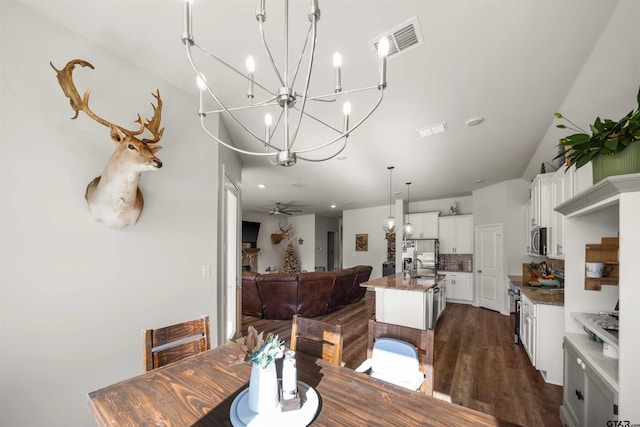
(171,343)
(422,340)
(318,339)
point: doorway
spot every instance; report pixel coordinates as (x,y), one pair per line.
(331,253)
(489,270)
(230,262)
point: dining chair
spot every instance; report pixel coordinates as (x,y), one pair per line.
(174,342)
(316,338)
(397,353)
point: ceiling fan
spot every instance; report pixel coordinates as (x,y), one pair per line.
(281,209)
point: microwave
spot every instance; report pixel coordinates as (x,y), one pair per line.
(539,241)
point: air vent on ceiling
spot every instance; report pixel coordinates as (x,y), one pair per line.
(402,38)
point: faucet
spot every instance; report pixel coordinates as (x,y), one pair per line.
(414,267)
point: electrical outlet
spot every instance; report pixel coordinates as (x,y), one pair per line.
(206,270)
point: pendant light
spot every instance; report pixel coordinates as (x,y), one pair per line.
(409,229)
(390,222)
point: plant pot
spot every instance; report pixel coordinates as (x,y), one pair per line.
(624,162)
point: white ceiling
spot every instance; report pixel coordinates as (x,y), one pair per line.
(511,62)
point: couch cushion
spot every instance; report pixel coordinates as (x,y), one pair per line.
(251,302)
(279,295)
(363,272)
(341,294)
(314,290)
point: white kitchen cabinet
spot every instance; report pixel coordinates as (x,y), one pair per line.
(527,227)
(588,400)
(425,224)
(561,190)
(459,286)
(455,234)
(541,333)
(540,200)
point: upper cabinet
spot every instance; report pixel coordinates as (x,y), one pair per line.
(426,225)
(540,201)
(456,234)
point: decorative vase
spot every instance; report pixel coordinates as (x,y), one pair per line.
(624,162)
(263,389)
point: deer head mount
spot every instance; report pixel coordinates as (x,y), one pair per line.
(114,197)
(277,238)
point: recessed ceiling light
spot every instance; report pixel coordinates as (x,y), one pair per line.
(342,157)
(478,181)
(475,121)
(333,206)
(262,186)
(433,129)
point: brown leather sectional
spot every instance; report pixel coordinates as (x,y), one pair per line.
(281,295)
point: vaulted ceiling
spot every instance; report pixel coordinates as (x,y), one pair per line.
(509,62)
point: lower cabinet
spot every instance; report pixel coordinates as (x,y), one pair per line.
(459,286)
(588,400)
(541,333)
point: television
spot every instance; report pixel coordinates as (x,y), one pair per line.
(250,232)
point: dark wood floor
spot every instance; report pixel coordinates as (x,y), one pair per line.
(477,365)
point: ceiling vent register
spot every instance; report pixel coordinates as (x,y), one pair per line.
(402,38)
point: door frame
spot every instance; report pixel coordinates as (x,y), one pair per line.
(501,274)
(230,259)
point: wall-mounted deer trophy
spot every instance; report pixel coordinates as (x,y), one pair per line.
(277,238)
(114,197)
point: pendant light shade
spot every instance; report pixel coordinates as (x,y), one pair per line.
(390,223)
(408,228)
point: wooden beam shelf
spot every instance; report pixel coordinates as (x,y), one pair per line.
(605,252)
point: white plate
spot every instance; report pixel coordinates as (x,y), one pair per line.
(242,416)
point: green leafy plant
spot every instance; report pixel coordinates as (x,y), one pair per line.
(260,350)
(606,139)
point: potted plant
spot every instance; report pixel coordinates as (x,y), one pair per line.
(612,147)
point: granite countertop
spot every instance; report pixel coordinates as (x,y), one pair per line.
(538,295)
(397,281)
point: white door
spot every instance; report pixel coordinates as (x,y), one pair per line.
(230,262)
(490,287)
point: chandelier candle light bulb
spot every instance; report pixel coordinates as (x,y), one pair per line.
(267,127)
(202,86)
(337,64)
(251,68)
(346,110)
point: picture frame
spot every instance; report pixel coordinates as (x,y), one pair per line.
(362,242)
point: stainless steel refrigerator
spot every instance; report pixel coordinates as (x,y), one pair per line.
(420,256)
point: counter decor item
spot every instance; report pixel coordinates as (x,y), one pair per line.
(612,147)
(263,383)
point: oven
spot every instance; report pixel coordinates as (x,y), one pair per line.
(514,298)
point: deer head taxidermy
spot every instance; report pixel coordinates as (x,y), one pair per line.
(114,197)
(277,238)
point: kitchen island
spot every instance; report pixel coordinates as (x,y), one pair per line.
(415,302)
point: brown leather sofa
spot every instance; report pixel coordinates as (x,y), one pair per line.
(281,295)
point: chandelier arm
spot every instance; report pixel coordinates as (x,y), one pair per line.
(206,52)
(306,85)
(347,132)
(231,147)
(306,42)
(247,107)
(344,145)
(344,92)
(266,46)
(215,96)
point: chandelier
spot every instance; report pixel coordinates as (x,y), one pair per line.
(292,103)
(409,228)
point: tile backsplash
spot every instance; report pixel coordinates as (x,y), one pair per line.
(456,262)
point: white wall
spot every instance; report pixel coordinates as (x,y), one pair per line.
(365,221)
(503,203)
(464,204)
(607,85)
(75,295)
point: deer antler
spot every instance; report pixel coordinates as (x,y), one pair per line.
(65,78)
(287,230)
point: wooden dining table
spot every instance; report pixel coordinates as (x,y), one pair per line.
(200,390)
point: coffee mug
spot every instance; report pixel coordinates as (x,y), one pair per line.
(594,269)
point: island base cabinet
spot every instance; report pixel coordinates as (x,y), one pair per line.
(587,399)
(405,308)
